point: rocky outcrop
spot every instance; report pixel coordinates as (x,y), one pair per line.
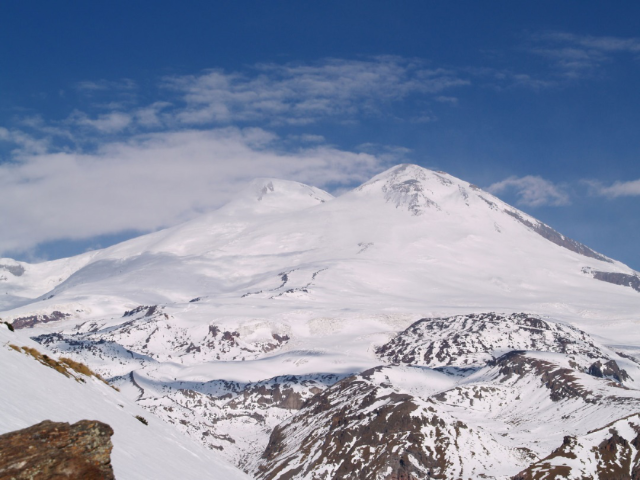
(150,334)
(361,428)
(609,369)
(471,340)
(32,320)
(15,270)
(58,451)
(621,279)
(553,236)
(562,382)
(235,418)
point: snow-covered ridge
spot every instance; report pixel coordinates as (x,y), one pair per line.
(473,340)
(272,195)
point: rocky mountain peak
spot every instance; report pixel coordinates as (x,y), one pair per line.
(415,188)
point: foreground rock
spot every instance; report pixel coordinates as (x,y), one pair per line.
(58,450)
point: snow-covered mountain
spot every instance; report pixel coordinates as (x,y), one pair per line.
(237,325)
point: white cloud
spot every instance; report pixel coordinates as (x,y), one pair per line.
(532,191)
(577,55)
(150,116)
(112,122)
(301,94)
(446,99)
(24,142)
(152,180)
(90,87)
(617,189)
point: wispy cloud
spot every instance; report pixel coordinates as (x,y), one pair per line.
(446,99)
(92,86)
(579,55)
(303,94)
(112,122)
(532,191)
(24,143)
(617,189)
(119,164)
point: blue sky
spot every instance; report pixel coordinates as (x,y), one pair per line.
(118,118)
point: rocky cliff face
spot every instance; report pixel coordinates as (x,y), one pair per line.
(58,450)
(364,428)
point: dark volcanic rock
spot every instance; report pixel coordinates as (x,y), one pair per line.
(16,270)
(51,450)
(609,370)
(562,382)
(555,237)
(622,279)
(30,321)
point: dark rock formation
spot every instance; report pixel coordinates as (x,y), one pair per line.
(553,236)
(148,311)
(348,439)
(608,370)
(31,320)
(562,382)
(622,279)
(361,429)
(16,270)
(51,450)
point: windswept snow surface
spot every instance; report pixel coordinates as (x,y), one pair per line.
(226,324)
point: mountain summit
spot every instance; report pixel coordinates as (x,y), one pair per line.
(410,238)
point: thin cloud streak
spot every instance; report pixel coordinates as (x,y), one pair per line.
(303,94)
(579,55)
(532,191)
(617,189)
(272,94)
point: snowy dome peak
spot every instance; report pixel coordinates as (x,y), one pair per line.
(266,188)
(272,195)
(409,176)
(414,188)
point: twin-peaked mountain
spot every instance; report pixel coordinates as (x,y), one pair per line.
(300,335)
(408,238)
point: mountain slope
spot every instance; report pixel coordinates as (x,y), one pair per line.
(409,238)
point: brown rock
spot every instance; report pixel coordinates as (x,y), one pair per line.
(51,450)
